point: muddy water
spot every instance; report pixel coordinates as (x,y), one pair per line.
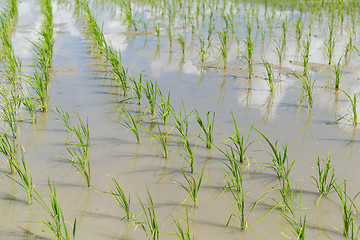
(79,84)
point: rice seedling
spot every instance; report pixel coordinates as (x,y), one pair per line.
(287,194)
(284,25)
(239,208)
(150,223)
(120,73)
(223,47)
(241,145)
(279,51)
(211,29)
(160,137)
(209,129)
(299,25)
(280,163)
(145,26)
(192,186)
(232,169)
(249,51)
(121,199)
(157,31)
(8,147)
(307,90)
(12,67)
(164,107)
(348,48)
(151,93)
(305,54)
(37,84)
(338,74)
(169,33)
(297,227)
(269,76)
(181,41)
(79,151)
(30,106)
(330,42)
(9,111)
(43,48)
(57,226)
(137,88)
(64,117)
(183,230)
(348,208)
(25,176)
(182,126)
(130,124)
(325,182)
(353,104)
(202,49)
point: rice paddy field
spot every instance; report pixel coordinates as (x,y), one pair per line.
(203,119)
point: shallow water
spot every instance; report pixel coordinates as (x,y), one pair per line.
(80,84)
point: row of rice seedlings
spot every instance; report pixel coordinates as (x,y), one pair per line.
(111,56)
(11,69)
(43,48)
(228,18)
(118,71)
(284,34)
(7,20)
(78,150)
(92,26)
(12,99)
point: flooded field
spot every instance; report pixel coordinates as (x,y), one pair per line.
(205,119)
